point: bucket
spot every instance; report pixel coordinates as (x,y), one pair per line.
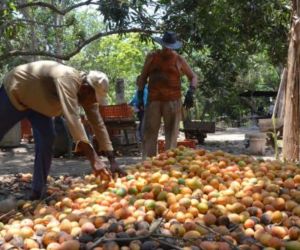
(12,138)
(257,143)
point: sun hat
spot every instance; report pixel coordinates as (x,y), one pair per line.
(99,81)
(169,40)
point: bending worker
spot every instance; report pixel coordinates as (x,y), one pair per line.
(41,90)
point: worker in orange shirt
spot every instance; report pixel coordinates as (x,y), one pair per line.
(162,71)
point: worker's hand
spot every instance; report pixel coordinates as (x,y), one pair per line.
(115,169)
(189,98)
(98,166)
(100,169)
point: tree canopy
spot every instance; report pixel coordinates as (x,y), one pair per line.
(233,45)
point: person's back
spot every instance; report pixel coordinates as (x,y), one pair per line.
(36,86)
(164,76)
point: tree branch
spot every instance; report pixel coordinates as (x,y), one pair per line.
(53,7)
(32,22)
(79,47)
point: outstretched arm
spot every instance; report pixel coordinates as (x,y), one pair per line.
(67,90)
(186,70)
(99,167)
(102,136)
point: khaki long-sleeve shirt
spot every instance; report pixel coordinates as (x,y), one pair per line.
(98,127)
(49,88)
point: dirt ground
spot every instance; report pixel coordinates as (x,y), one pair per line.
(21,159)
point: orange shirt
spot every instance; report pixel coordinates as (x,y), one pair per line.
(162,70)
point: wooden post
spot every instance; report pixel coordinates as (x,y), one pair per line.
(291,116)
(120,91)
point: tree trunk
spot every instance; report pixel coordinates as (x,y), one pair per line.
(291,117)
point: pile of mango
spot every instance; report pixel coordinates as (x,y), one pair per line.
(181,199)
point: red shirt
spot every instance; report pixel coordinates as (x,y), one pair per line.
(162,71)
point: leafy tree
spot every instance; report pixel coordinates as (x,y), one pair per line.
(230,32)
(223,39)
(118,58)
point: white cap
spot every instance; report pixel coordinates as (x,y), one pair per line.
(99,81)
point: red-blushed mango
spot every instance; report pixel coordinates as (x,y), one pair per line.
(249,223)
(180,217)
(209,245)
(279,231)
(191,235)
(275,242)
(65,226)
(224,246)
(264,238)
(297,178)
(70,244)
(294,233)
(88,228)
(53,246)
(189,225)
(209,219)
(30,244)
(63,236)
(50,237)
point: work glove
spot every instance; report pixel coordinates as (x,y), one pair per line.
(189,98)
(140,99)
(115,169)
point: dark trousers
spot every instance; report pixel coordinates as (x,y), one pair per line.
(43,134)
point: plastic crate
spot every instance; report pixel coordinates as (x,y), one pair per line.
(117,112)
(26,130)
(205,127)
(189,143)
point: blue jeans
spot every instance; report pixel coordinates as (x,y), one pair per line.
(43,134)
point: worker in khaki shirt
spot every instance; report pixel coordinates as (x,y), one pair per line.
(41,90)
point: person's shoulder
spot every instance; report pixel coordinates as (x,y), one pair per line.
(181,59)
(153,53)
